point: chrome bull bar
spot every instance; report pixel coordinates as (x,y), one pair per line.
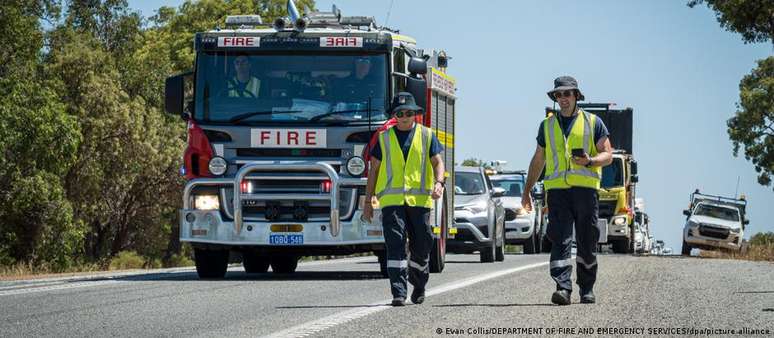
(327,169)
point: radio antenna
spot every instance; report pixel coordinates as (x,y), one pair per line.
(389,11)
(736,193)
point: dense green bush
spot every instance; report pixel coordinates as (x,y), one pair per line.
(88,160)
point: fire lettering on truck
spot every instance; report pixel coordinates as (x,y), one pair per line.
(239,41)
(283,138)
(341,41)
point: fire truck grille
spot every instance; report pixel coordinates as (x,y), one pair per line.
(281,152)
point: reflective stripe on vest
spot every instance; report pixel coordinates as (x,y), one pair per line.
(251,88)
(405,180)
(561,172)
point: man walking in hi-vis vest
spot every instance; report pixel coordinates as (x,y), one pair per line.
(573,147)
(406,174)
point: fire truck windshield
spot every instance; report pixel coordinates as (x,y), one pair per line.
(293,88)
(612,174)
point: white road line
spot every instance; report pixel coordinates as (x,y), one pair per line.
(62,286)
(318,325)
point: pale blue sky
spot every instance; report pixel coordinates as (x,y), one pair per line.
(674,65)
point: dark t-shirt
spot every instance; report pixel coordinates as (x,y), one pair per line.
(600,130)
(404,139)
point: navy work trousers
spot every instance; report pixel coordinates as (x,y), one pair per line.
(400,223)
(577,207)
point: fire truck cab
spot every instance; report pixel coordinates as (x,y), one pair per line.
(280,120)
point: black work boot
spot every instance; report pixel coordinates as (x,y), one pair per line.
(398,301)
(587,297)
(418,296)
(561,297)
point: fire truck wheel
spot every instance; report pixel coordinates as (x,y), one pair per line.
(621,246)
(255,263)
(211,263)
(284,263)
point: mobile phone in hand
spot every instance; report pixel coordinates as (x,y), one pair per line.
(578,152)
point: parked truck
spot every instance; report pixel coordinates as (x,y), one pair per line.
(714,223)
(619,179)
(280,117)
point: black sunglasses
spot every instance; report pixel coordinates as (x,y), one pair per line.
(406,113)
(566,93)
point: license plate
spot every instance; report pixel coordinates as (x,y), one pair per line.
(286,239)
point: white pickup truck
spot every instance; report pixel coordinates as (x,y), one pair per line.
(714,222)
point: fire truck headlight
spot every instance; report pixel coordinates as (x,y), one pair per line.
(356,166)
(218,166)
(206,202)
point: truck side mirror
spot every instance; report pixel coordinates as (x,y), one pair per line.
(418,88)
(635,178)
(174,95)
(417,66)
(687,212)
(746,222)
(634,168)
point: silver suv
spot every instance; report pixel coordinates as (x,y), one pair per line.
(479,215)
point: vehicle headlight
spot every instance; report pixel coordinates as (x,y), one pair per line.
(736,229)
(218,166)
(692,224)
(356,166)
(206,202)
(619,220)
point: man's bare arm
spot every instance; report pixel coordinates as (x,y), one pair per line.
(535,168)
(605,153)
(439,170)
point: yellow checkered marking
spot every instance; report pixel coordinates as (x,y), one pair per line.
(445,138)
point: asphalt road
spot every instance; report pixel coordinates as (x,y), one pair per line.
(347,298)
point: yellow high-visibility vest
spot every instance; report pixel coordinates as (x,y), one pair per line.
(405,181)
(251,89)
(561,172)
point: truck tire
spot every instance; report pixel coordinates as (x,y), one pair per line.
(686,249)
(211,264)
(284,263)
(438,253)
(500,249)
(255,263)
(381,257)
(621,246)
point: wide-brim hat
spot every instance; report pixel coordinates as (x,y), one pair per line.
(404,101)
(565,83)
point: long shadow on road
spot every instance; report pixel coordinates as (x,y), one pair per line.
(269,276)
(490,305)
